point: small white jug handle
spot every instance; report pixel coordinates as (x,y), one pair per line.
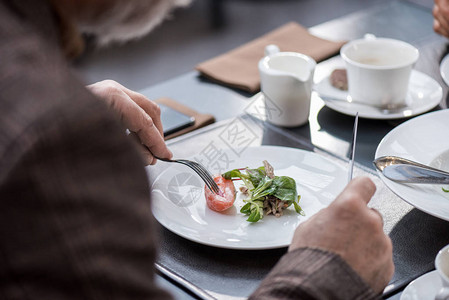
(443,294)
(271,49)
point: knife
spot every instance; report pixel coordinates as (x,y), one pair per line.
(406,171)
(354,139)
(183,283)
(414,174)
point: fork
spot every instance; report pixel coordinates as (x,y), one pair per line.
(199,169)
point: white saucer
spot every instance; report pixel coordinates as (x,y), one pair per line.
(444,69)
(424,94)
(423,288)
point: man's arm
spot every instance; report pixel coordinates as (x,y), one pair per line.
(76,219)
(339,253)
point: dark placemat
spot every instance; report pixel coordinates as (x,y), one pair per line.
(416,236)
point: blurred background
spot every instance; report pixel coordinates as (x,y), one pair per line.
(203,30)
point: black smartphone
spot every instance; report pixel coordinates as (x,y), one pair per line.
(173,120)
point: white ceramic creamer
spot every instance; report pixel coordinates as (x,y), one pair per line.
(286,80)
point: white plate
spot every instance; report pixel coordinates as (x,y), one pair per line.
(422,139)
(444,69)
(424,94)
(180,206)
(423,288)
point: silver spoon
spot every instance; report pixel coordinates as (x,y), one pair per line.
(402,109)
(407,171)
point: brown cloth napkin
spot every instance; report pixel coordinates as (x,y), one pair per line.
(238,68)
(201,120)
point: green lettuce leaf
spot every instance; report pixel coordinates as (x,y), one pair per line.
(261,186)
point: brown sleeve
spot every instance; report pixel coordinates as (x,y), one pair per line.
(313,274)
(75,216)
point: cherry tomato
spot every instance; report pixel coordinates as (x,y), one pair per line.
(225,199)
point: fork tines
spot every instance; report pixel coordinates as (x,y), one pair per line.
(203,173)
(199,169)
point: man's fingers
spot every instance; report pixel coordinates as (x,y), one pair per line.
(440,29)
(360,187)
(146,154)
(363,189)
(138,121)
(441,22)
(144,151)
(150,107)
(138,114)
(152,139)
(378,215)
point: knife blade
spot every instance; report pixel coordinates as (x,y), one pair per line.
(404,170)
(353,143)
(415,174)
